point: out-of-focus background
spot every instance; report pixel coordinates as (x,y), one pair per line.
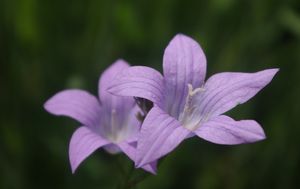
(47,46)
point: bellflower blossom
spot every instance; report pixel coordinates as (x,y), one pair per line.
(185,105)
(108,122)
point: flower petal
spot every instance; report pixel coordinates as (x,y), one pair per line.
(225,130)
(159,135)
(77,104)
(118,117)
(108,100)
(139,81)
(83,143)
(130,150)
(151,167)
(184,63)
(224,91)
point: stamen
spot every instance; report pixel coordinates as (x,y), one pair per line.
(192,92)
(189,108)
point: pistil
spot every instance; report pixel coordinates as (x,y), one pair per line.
(186,116)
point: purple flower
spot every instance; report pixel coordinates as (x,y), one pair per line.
(108,122)
(185,105)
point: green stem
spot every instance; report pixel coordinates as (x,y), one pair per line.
(134,182)
(128,176)
(133,178)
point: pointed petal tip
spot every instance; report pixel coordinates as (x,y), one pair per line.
(48,101)
(261,136)
(74,163)
(270,72)
(146,167)
(149,170)
(45,106)
(264,137)
(153,172)
(268,75)
(274,70)
(49,105)
(137,164)
(73,169)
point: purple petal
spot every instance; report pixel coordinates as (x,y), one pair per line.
(160,134)
(120,126)
(108,100)
(83,143)
(225,130)
(224,91)
(184,63)
(151,167)
(130,150)
(77,104)
(139,81)
(118,117)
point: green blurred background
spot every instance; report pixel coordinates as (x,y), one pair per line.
(49,45)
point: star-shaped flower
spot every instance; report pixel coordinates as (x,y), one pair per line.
(185,105)
(108,122)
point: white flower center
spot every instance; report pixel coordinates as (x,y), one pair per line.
(113,130)
(190,117)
